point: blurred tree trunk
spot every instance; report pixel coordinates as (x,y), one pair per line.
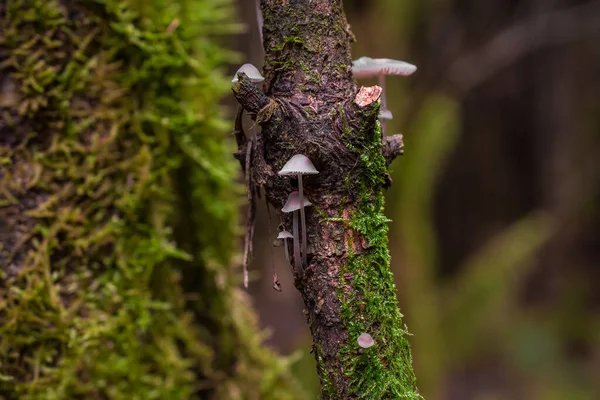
(313,107)
(117,210)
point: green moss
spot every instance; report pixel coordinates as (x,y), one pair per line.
(383,371)
(288,40)
(284,65)
(327,389)
(125,203)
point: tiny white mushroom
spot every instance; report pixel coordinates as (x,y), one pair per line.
(251,72)
(285,235)
(254,76)
(385,114)
(300,165)
(365,340)
(367,67)
(293,204)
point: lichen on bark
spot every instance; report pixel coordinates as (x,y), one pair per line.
(117,213)
(311,105)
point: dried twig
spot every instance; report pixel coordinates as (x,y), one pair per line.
(249,236)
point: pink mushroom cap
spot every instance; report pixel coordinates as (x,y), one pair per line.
(285,235)
(367,67)
(293,203)
(365,340)
(385,114)
(298,165)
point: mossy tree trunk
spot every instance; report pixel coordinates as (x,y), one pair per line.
(117,209)
(313,107)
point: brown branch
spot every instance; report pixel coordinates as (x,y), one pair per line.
(313,107)
(249,95)
(393,146)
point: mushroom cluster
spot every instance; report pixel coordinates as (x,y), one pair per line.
(367,67)
(298,166)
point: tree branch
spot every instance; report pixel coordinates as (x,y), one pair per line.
(313,107)
(250,97)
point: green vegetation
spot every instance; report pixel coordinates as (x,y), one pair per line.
(119,185)
(368,299)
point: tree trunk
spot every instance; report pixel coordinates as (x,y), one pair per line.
(117,209)
(313,107)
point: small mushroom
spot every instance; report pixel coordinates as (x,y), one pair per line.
(251,72)
(365,340)
(285,235)
(367,67)
(385,114)
(254,76)
(293,204)
(300,165)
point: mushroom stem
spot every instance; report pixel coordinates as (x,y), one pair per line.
(297,246)
(381,81)
(303,220)
(287,252)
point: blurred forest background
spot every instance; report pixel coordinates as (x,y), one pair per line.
(495,238)
(119,281)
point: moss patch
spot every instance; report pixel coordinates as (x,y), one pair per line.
(368,298)
(116,189)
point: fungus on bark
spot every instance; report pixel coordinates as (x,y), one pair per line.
(347,287)
(285,235)
(367,67)
(251,72)
(385,114)
(300,165)
(293,204)
(365,340)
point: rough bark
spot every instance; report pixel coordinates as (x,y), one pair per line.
(310,105)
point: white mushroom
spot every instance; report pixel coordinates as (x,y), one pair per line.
(285,235)
(251,72)
(293,204)
(385,114)
(367,67)
(300,165)
(365,340)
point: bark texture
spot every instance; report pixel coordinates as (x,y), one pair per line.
(117,209)
(310,105)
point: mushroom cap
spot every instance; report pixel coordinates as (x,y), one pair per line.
(365,340)
(251,72)
(384,113)
(366,67)
(285,235)
(298,165)
(293,202)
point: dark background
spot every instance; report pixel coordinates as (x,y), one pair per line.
(495,238)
